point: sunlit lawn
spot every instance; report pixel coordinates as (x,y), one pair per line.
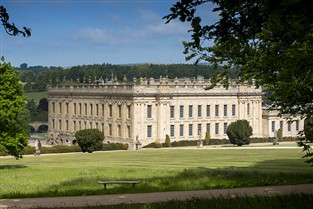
(159,170)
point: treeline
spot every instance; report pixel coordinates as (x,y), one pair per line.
(36,78)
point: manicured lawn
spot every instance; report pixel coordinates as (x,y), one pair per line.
(159,170)
(35,95)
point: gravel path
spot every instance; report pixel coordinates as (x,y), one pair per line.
(81,201)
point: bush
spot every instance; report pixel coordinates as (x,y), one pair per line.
(89,140)
(184,143)
(167,141)
(114,146)
(207,138)
(280,134)
(239,132)
(153,145)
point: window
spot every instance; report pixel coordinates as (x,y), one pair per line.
(216,128)
(216,110)
(60,124)
(190,111)
(225,110)
(149,131)
(91,109)
(90,124)
(74,125)
(281,124)
(110,129)
(97,109)
(208,110)
(66,108)
(297,125)
(74,108)
(273,126)
(80,108)
(53,107)
(149,111)
(85,109)
(289,126)
(199,129)
(119,111)
(102,109)
(190,129)
(110,111)
(85,124)
(128,131)
(208,127)
(128,111)
(53,125)
(172,130)
(181,111)
(181,130)
(102,128)
(225,128)
(60,107)
(199,110)
(172,111)
(66,125)
(119,130)
(233,110)
(80,125)
(248,109)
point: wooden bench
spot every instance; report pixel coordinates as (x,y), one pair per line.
(118,182)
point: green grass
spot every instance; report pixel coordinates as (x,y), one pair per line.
(258,202)
(159,170)
(35,95)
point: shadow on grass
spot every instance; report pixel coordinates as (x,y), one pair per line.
(12,166)
(198,178)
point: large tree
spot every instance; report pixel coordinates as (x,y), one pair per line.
(269,41)
(13,138)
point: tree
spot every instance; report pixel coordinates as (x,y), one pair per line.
(269,41)
(10,28)
(89,140)
(167,141)
(13,137)
(43,105)
(239,132)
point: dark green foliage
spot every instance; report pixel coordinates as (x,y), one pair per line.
(269,41)
(153,145)
(114,146)
(280,134)
(89,140)
(167,141)
(308,132)
(239,132)
(10,28)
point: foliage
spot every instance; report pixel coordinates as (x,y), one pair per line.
(239,132)
(167,141)
(13,135)
(153,145)
(280,134)
(23,120)
(10,28)
(269,41)
(114,146)
(308,132)
(89,140)
(207,138)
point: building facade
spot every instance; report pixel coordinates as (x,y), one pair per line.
(146,110)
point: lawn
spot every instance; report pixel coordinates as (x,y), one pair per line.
(159,170)
(35,95)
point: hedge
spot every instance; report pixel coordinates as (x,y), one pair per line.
(65,149)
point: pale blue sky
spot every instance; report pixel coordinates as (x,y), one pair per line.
(76,32)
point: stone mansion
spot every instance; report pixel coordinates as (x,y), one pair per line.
(149,109)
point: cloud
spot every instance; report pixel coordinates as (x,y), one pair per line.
(147,34)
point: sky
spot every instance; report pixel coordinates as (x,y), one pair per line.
(79,32)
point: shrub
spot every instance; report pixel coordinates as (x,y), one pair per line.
(153,145)
(114,146)
(207,138)
(280,134)
(89,140)
(239,132)
(167,141)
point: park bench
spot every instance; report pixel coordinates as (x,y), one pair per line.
(118,182)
